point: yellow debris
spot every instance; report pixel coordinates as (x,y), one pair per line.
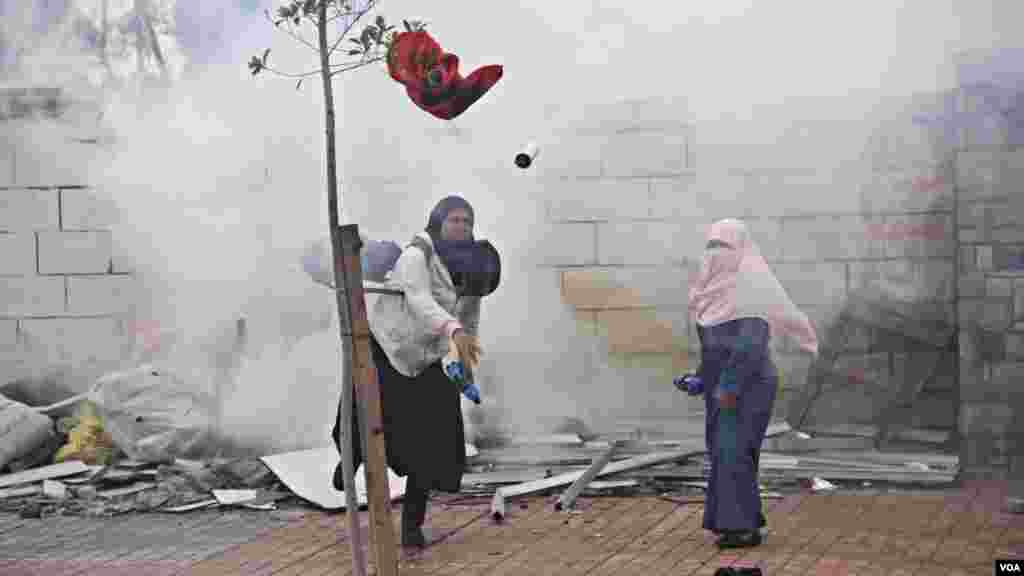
(87,440)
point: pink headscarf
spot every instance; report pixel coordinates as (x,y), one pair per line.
(737,283)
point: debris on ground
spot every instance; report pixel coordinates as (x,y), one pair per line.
(87,441)
(22,430)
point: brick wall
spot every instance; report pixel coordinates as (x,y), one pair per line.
(61,294)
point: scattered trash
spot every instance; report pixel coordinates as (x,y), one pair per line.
(151,415)
(130,490)
(821,485)
(22,430)
(309,475)
(55,489)
(45,473)
(87,440)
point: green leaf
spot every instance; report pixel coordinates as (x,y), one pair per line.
(408,28)
(354,52)
(380,22)
(357,41)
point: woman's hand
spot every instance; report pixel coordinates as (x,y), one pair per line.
(468,346)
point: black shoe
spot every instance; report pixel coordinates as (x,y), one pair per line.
(414,538)
(761,520)
(739,540)
(730,571)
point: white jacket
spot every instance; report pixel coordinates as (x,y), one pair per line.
(413,330)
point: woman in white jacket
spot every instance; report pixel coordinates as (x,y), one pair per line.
(423,425)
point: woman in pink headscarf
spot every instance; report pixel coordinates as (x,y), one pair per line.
(738,304)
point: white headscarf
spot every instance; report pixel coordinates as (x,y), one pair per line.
(736,282)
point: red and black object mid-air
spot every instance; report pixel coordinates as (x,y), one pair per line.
(431,76)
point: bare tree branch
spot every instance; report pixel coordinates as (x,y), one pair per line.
(370,5)
(357,66)
(295,36)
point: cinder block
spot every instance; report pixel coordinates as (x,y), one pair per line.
(638,154)
(638,331)
(919,236)
(1009,234)
(968,259)
(23,210)
(31,296)
(972,286)
(923,189)
(777,193)
(813,284)
(579,156)
(8,334)
(979,174)
(659,114)
(723,194)
(17,254)
(53,155)
(98,295)
(1000,287)
(673,198)
(995,315)
(827,237)
(649,243)
(1015,346)
(73,340)
(121,261)
(86,209)
(579,199)
(981,417)
(604,288)
(1007,257)
(74,252)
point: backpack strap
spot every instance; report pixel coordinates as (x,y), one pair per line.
(428,250)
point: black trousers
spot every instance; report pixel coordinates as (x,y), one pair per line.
(414,504)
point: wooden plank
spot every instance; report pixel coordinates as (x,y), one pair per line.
(61,470)
(366,382)
(567,498)
(498,506)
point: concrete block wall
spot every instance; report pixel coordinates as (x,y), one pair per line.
(625,242)
(989,166)
(62,302)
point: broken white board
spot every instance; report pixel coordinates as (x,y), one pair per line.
(309,474)
(69,468)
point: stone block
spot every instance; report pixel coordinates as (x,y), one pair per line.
(73,340)
(674,198)
(644,154)
(602,288)
(1000,287)
(597,199)
(25,210)
(86,209)
(1009,234)
(968,259)
(650,243)
(978,173)
(972,285)
(31,296)
(813,284)
(827,238)
(905,280)
(99,295)
(17,254)
(74,252)
(565,244)
(918,236)
(922,189)
(54,155)
(1015,346)
(639,331)
(995,315)
(579,156)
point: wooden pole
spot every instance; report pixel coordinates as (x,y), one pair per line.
(368,396)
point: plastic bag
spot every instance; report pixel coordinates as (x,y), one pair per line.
(152,416)
(87,439)
(22,430)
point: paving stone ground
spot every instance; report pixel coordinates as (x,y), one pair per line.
(955,532)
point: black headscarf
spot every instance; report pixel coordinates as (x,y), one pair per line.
(475,267)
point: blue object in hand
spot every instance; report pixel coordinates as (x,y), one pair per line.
(469,390)
(690,383)
(457,373)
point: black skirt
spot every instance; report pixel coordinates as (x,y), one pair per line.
(423,427)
